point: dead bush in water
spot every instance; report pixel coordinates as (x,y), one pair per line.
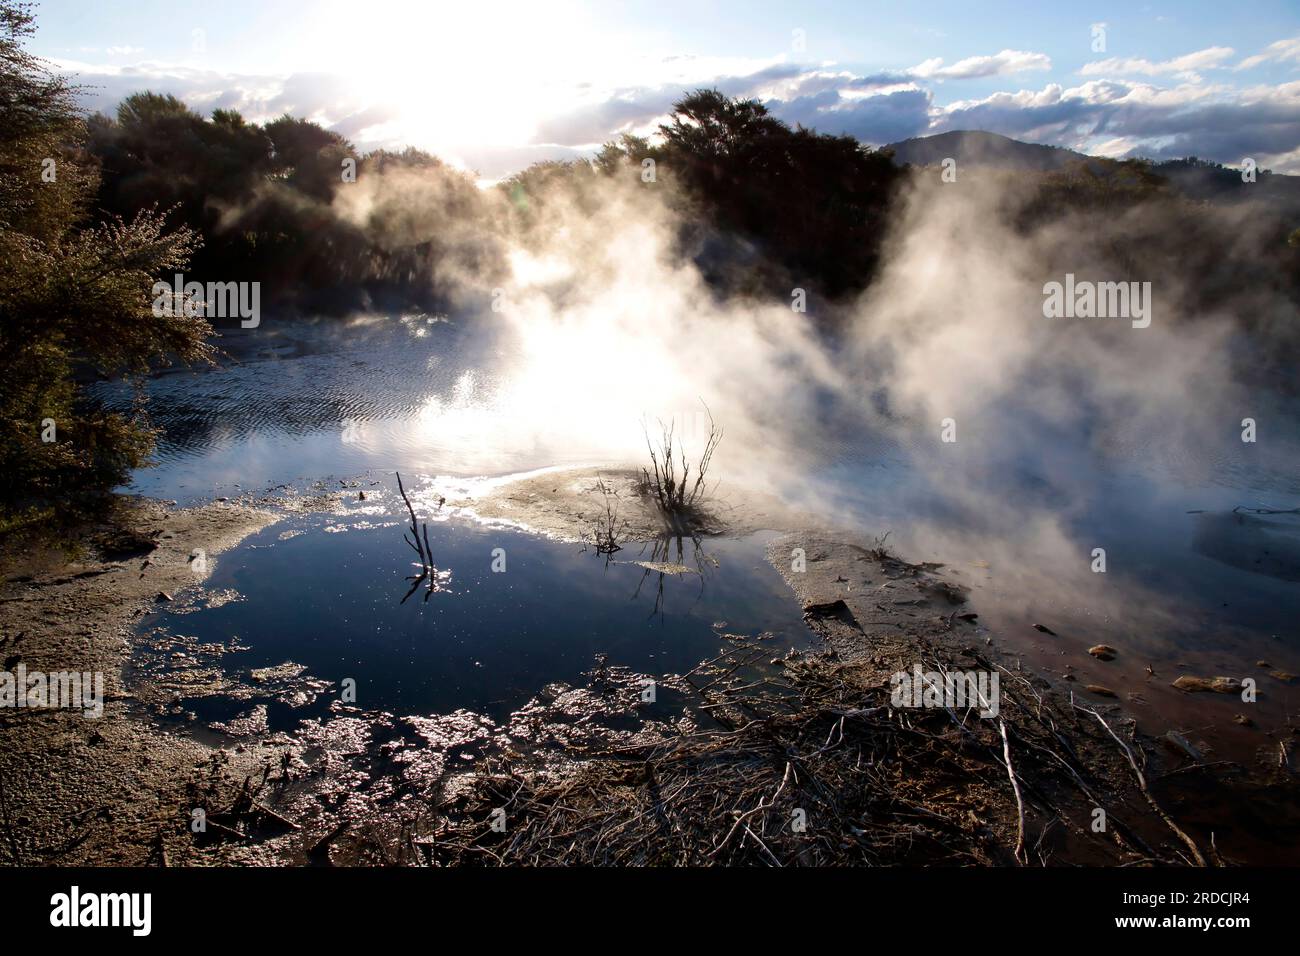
(607,530)
(673,491)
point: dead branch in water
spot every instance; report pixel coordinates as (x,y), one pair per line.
(1142,785)
(1015,786)
(429,574)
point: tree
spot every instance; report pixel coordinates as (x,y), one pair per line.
(308,156)
(713,128)
(813,204)
(73,296)
(626,153)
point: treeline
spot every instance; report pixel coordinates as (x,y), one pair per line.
(263,196)
(274,201)
(1233,260)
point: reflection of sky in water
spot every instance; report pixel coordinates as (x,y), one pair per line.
(1014,509)
(332,600)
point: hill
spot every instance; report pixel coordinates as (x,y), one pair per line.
(1191,177)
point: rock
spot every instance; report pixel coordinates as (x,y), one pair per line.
(163,596)
(1263,664)
(1283,676)
(1068,677)
(952,593)
(123,544)
(1219,685)
(1100,691)
(668,567)
(1045,630)
(1244,720)
(836,609)
(1103,652)
(1180,744)
(286,671)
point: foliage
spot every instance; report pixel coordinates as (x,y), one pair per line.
(814,205)
(270,202)
(74,295)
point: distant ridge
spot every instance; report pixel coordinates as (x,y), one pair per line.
(1191,177)
(977,148)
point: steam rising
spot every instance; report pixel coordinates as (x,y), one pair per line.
(606,324)
(609,324)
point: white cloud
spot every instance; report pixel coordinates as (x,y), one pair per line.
(1183,67)
(999,64)
(1220,123)
(1103,115)
(1280,52)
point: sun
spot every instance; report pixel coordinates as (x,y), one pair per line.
(449,75)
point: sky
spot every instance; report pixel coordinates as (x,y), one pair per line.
(493,86)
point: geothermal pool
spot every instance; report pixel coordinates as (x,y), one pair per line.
(1202,558)
(513,613)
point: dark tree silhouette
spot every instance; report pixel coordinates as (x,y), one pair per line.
(72,297)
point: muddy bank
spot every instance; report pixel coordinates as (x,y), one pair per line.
(813,760)
(111,790)
(589,772)
(885,615)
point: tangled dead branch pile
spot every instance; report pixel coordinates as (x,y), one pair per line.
(810,766)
